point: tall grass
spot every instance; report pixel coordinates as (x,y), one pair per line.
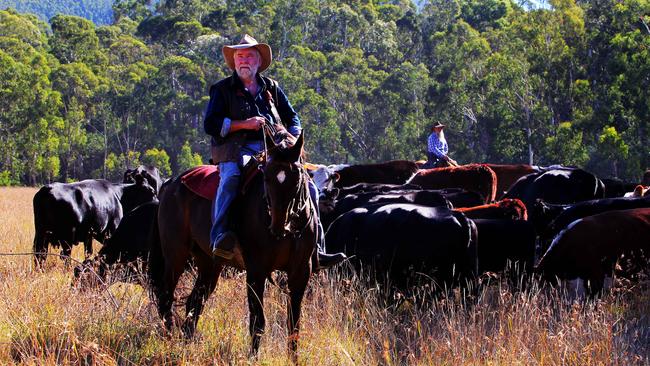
(46,321)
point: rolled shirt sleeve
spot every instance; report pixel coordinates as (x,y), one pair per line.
(214,122)
(288,114)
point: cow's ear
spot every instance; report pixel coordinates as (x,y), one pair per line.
(335,193)
(127,175)
(336,176)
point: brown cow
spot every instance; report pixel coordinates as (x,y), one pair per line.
(639,191)
(508,174)
(512,209)
(588,249)
(473,177)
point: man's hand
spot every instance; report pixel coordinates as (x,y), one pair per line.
(255,123)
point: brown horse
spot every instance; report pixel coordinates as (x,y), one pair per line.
(275,223)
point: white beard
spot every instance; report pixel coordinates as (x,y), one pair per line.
(441,136)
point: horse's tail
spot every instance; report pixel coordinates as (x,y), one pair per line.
(156,267)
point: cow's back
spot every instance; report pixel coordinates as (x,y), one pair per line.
(474,177)
(399,240)
(590,208)
(508,174)
(390,172)
(589,247)
(557,186)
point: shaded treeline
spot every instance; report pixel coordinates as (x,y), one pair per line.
(561,85)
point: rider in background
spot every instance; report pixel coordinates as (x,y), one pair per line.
(437,148)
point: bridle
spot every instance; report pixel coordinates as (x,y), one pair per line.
(301,202)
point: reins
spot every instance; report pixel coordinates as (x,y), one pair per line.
(301,202)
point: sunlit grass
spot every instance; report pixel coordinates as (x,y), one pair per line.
(46,321)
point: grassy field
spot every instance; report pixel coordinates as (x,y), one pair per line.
(46,321)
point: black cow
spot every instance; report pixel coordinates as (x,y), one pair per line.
(149,172)
(501,241)
(558,185)
(130,244)
(587,250)
(400,242)
(66,214)
(588,208)
(460,197)
(616,187)
(369,187)
(352,201)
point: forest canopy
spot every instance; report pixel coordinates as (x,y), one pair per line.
(564,85)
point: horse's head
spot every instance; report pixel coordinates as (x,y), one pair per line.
(285,183)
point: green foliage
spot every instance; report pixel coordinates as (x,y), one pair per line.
(187,159)
(159,159)
(83,99)
(566,147)
(6,179)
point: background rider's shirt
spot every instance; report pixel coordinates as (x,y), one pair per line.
(437,146)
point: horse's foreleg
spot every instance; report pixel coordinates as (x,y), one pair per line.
(257,322)
(203,287)
(297,283)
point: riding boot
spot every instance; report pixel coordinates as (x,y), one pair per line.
(321,259)
(324,260)
(224,246)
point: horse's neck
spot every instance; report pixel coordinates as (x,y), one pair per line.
(254,202)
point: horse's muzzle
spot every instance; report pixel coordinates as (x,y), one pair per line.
(279,233)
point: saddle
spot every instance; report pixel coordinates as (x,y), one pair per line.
(204,179)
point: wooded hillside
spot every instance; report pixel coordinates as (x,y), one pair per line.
(566,85)
(98,11)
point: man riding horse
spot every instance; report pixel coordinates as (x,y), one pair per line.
(240,105)
(437,149)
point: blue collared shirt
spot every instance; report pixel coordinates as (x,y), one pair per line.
(437,146)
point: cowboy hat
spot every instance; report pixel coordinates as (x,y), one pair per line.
(437,124)
(248,42)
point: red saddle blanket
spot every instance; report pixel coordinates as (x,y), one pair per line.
(202,180)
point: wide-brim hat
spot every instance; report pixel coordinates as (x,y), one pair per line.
(437,125)
(248,42)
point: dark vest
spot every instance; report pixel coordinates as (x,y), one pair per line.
(240,107)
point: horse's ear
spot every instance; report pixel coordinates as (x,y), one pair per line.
(296,150)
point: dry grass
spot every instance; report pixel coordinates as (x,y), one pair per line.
(46,321)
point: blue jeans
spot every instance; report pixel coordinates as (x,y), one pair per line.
(229,178)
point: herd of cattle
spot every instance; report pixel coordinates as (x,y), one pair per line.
(401,222)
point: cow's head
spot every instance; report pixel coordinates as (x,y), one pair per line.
(515,208)
(150,173)
(324,177)
(90,274)
(134,195)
